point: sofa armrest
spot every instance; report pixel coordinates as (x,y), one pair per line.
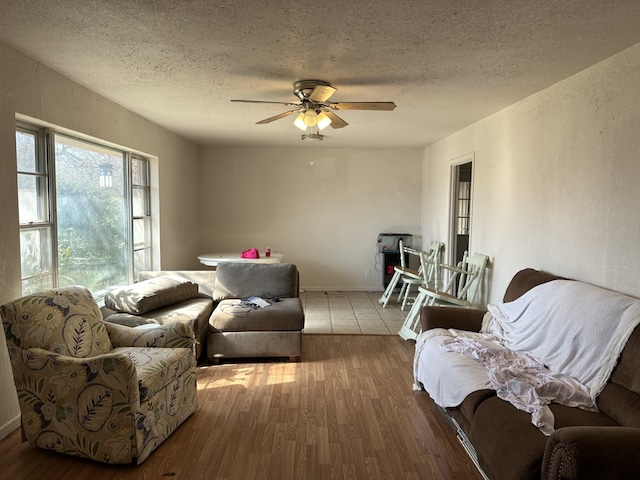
(169,335)
(460,318)
(592,453)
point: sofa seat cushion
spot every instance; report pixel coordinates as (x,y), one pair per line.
(234,315)
(510,446)
(148,295)
(157,367)
(243,280)
(471,403)
(194,312)
(188,311)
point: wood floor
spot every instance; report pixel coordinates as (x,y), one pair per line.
(347,411)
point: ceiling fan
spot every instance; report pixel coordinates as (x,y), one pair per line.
(314,110)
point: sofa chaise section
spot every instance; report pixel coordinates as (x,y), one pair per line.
(161,297)
(239,328)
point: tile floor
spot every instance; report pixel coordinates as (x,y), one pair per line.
(351,313)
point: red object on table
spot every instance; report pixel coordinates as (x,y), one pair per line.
(251,253)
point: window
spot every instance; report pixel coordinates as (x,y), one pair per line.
(34,212)
(84,212)
(141,210)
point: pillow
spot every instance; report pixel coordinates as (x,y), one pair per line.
(243,280)
(149,295)
(66,321)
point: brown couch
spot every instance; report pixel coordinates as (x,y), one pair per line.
(585,445)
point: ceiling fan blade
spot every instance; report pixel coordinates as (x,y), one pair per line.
(336,121)
(387,106)
(321,93)
(266,101)
(277,117)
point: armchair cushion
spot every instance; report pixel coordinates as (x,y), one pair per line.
(149,295)
(66,321)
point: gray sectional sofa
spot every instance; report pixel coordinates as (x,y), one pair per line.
(215,304)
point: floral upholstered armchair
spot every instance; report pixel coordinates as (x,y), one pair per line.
(92,389)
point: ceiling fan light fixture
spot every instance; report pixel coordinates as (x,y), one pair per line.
(310,118)
(314,111)
(299,122)
(323,120)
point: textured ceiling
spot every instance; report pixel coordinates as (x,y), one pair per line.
(445,63)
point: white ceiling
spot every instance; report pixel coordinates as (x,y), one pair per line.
(445,63)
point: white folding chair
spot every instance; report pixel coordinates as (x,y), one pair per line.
(398,272)
(461,290)
(426,272)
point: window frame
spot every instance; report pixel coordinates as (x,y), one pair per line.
(43,173)
(45,138)
(145,188)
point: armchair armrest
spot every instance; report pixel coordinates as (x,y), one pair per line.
(460,318)
(169,335)
(69,397)
(596,453)
(35,359)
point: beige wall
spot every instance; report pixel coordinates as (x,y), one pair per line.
(322,208)
(28,88)
(556,180)
(9,259)
(555,187)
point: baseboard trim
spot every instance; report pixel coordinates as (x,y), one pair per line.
(9,427)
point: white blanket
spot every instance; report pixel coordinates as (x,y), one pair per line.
(447,376)
(577,331)
(523,380)
(572,327)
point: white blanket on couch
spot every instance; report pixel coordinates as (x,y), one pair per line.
(576,330)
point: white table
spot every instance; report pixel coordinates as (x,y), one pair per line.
(213,259)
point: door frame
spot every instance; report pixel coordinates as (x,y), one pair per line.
(454,165)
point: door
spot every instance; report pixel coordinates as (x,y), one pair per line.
(461,184)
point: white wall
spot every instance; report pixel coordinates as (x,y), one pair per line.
(324,217)
(556,180)
(29,88)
